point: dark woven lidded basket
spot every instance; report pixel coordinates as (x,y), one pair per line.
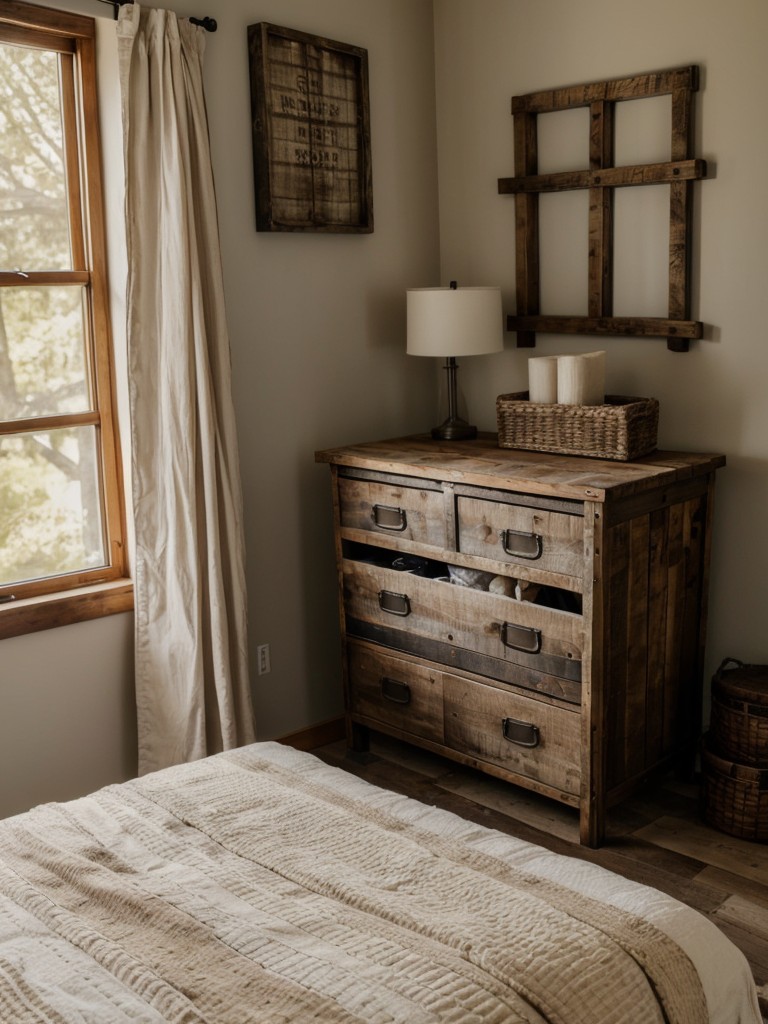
(734,796)
(622,429)
(739,723)
(735,752)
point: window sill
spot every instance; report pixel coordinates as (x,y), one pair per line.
(47,611)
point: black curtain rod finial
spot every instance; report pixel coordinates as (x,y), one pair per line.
(209,24)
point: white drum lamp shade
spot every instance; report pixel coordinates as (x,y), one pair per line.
(454,322)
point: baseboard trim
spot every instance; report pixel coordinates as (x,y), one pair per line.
(316,735)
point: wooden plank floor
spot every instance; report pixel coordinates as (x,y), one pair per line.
(656,837)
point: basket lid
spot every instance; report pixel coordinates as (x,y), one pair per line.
(742,682)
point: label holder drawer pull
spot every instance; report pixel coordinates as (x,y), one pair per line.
(394,604)
(395,691)
(389,517)
(519,544)
(524,734)
(521,638)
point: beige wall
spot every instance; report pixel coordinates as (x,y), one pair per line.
(66,722)
(317,323)
(714,397)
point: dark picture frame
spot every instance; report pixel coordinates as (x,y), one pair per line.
(311,132)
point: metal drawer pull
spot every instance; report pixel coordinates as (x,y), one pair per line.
(521,638)
(387,517)
(524,734)
(521,545)
(395,604)
(394,690)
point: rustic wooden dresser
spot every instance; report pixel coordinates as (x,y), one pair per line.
(572,663)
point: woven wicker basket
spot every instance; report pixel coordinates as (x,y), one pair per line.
(739,723)
(734,796)
(622,429)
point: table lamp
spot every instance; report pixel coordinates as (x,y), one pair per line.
(454,322)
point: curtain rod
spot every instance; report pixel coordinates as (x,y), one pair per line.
(209,24)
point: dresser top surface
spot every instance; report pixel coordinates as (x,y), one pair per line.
(481,462)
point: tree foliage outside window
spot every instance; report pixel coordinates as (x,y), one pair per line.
(60,518)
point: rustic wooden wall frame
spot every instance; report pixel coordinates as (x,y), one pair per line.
(311,132)
(601,179)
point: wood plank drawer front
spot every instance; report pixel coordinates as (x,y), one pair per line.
(495,726)
(396,691)
(551,541)
(413,513)
(516,631)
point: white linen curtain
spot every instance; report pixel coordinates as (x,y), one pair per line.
(192,689)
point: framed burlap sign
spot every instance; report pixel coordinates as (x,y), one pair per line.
(311,132)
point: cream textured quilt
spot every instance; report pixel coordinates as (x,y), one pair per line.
(261,885)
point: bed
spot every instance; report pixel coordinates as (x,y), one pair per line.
(264,885)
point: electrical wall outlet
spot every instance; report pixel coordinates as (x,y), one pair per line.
(262,659)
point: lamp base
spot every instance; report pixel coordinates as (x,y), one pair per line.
(454,429)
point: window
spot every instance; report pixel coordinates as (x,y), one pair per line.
(61,519)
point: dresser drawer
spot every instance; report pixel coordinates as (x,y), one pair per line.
(395,691)
(521,734)
(552,541)
(412,513)
(525,634)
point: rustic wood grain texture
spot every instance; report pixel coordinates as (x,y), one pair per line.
(528,283)
(600,252)
(693,626)
(657,613)
(414,704)
(482,463)
(63,609)
(616,739)
(744,858)
(636,712)
(618,655)
(601,178)
(560,537)
(657,83)
(363,504)
(311,132)
(459,615)
(474,720)
(592,804)
(616,326)
(681,214)
(669,172)
(675,571)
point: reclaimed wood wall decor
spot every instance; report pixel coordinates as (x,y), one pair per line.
(311,132)
(602,178)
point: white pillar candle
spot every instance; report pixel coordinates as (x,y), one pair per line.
(581,379)
(542,379)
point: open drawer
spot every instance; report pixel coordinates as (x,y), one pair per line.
(541,638)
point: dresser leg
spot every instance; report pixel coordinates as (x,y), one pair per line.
(592,824)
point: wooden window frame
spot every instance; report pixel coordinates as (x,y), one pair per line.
(84,594)
(601,179)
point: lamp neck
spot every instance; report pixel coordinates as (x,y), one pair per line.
(454,428)
(451,366)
